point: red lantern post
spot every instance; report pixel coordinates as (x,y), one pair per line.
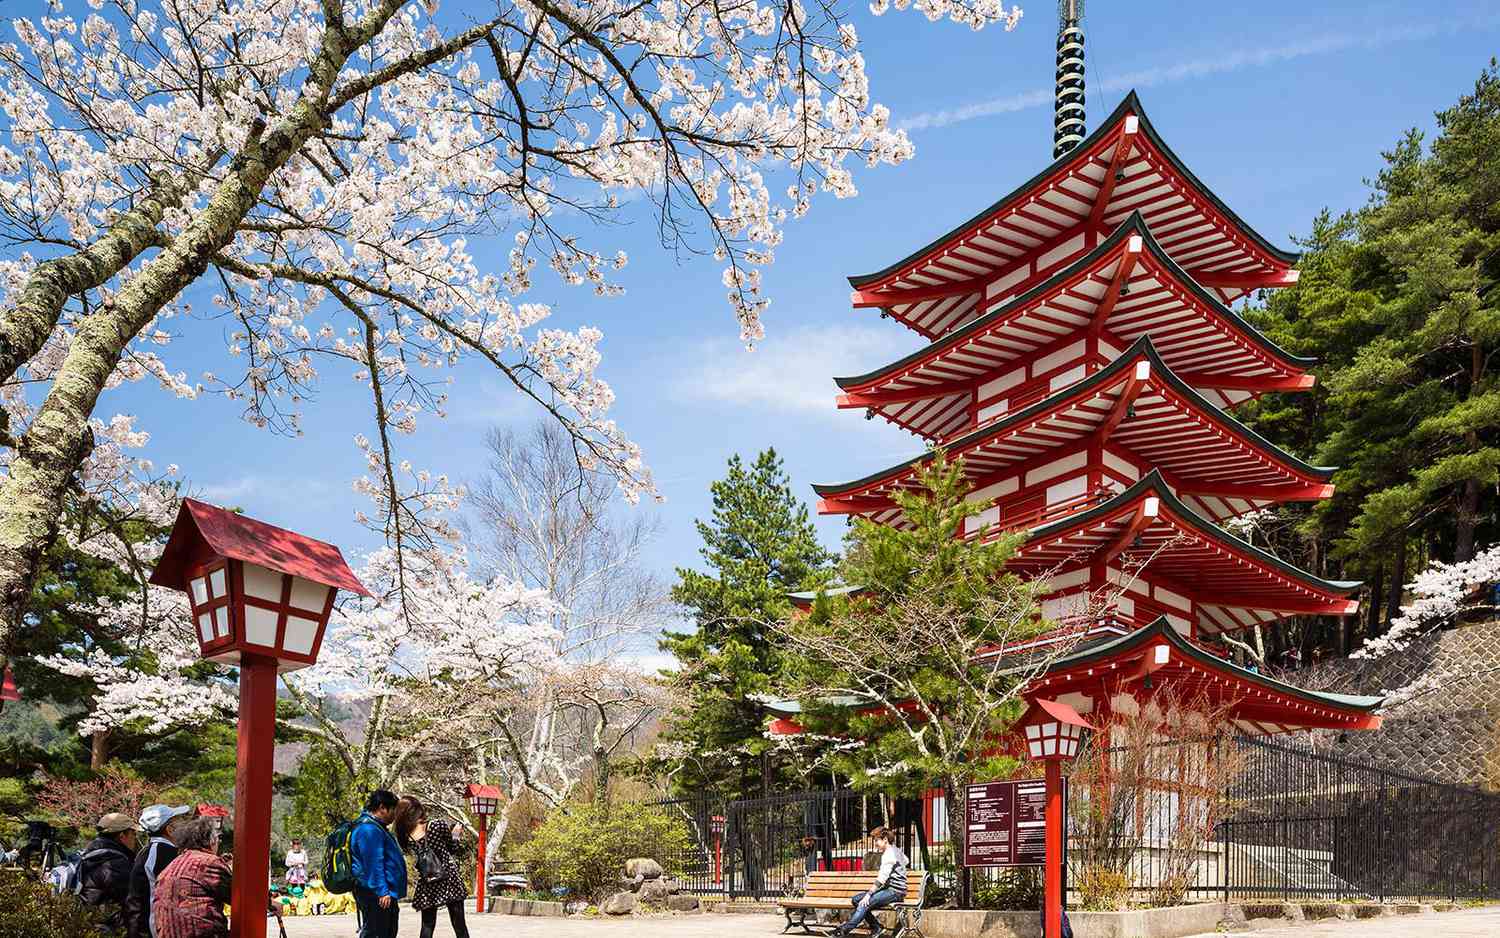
(1053,733)
(484,802)
(260,597)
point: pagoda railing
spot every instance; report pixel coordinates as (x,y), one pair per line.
(1034,517)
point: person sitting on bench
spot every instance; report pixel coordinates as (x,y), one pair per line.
(889,887)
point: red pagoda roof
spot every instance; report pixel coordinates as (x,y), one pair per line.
(1147,530)
(1123,167)
(230,534)
(1125,288)
(1136,403)
(1258,704)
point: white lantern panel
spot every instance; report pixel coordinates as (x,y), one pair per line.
(1033,731)
(205,627)
(262,583)
(221,621)
(260,624)
(1049,746)
(200,591)
(300,634)
(216,583)
(1035,748)
(309,595)
(1049,729)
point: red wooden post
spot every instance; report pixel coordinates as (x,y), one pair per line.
(251,887)
(479,872)
(1052,881)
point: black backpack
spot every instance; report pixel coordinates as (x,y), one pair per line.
(338,858)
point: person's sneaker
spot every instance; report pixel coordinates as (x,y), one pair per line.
(876,929)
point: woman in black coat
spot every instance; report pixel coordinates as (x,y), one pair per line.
(438,881)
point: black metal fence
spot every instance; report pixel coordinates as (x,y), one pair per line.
(1303,824)
(764,847)
(1293,824)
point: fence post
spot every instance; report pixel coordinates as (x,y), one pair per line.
(1380,839)
(1224,858)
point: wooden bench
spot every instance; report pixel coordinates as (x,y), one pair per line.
(836,890)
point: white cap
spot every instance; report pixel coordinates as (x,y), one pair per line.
(156,817)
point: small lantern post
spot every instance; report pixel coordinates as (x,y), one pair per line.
(1054,732)
(484,802)
(260,598)
(716,826)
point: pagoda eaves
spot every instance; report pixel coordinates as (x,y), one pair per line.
(1092,674)
(1077,319)
(1123,167)
(1147,553)
(1105,431)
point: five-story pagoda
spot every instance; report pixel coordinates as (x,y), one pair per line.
(1084,361)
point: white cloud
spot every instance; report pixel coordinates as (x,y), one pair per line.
(792,371)
(1232,60)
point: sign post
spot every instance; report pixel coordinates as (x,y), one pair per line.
(1005,824)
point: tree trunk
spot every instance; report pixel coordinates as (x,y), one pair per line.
(99,750)
(1465,520)
(1398,581)
(1377,596)
(601,779)
(25,327)
(953,798)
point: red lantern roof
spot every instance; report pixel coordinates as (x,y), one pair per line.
(8,690)
(212,810)
(476,790)
(202,527)
(1054,710)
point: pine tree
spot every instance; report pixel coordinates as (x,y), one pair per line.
(758,546)
(912,665)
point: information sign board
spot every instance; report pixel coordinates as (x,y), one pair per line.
(1005,823)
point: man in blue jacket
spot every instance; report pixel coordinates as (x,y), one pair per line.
(379,868)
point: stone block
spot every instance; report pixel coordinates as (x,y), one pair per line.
(643,868)
(621,903)
(683,902)
(654,891)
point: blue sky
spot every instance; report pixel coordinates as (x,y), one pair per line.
(1281,107)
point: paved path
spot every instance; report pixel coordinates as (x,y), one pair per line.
(1467,923)
(1482,922)
(520,926)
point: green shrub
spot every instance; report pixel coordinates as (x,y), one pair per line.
(585,849)
(1015,889)
(29,909)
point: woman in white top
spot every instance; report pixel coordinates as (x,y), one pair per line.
(296,865)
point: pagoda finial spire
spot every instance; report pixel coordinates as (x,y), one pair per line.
(1068,114)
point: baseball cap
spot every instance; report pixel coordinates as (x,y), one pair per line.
(156,817)
(115,823)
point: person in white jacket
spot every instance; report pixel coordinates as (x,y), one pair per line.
(889,887)
(296,865)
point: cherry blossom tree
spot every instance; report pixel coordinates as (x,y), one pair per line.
(309,173)
(1439,594)
(393,660)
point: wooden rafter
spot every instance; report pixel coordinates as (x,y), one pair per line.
(1145,514)
(1116,284)
(1245,280)
(1132,390)
(1115,170)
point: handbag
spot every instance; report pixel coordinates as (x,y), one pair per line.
(430,867)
